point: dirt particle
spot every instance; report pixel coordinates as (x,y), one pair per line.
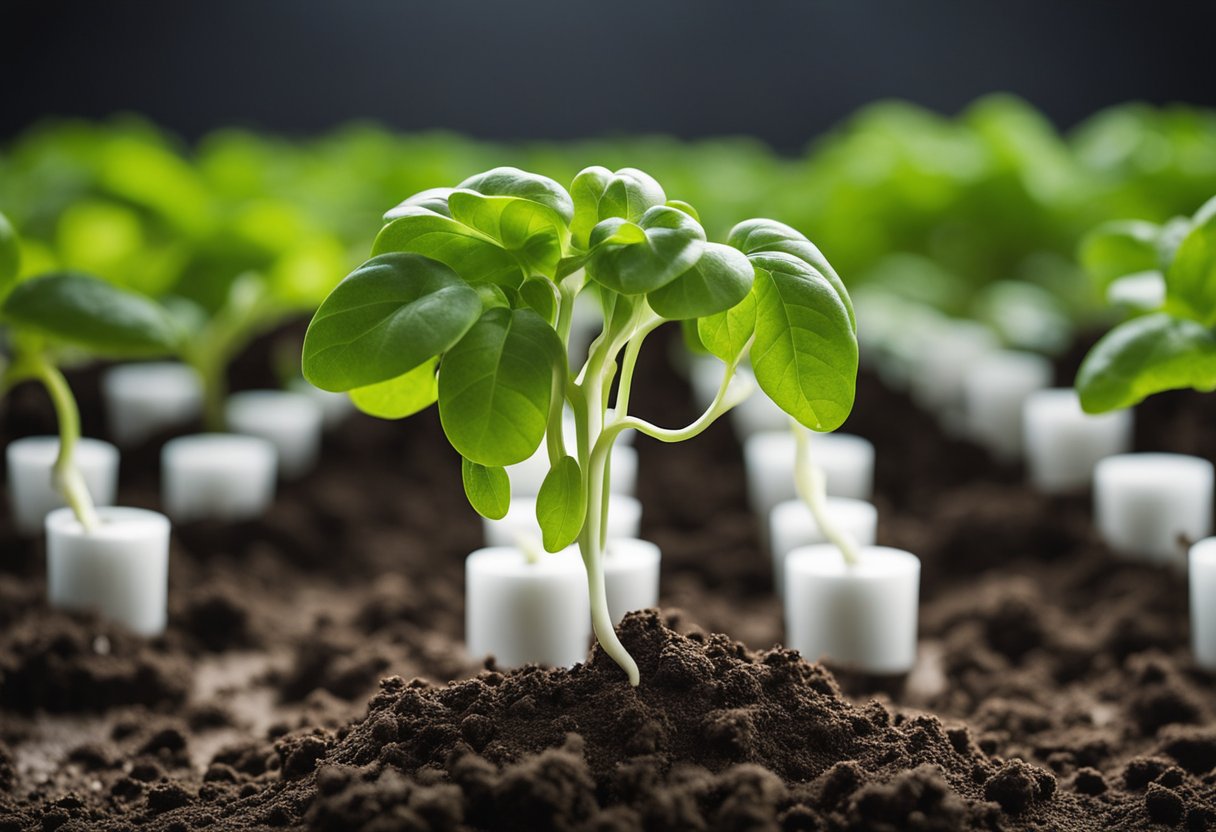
(1164,805)
(1016,785)
(167,796)
(1089,781)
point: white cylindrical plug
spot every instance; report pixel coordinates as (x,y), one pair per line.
(1153,506)
(791,526)
(144,399)
(119,569)
(862,617)
(1063,443)
(289,421)
(847,463)
(941,365)
(995,390)
(1203,603)
(624,520)
(526,477)
(527,613)
(631,576)
(220,476)
(31,486)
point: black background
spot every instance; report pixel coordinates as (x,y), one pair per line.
(782,70)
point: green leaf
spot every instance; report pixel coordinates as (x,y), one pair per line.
(508,181)
(533,232)
(432,199)
(405,395)
(496,384)
(537,292)
(10,255)
(726,334)
(671,244)
(599,193)
(681,205)
(805,352)
(1144,356)
(1116,249)
(387,317)
(1190,281)
(89,313)
(761,236)
(469,253)
(561,505)
(719,280)
(488,489)
(492,296)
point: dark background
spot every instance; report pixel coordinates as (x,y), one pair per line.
(782,70)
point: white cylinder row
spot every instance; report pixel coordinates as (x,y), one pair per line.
(1203,602)
(220,476)
(119,569)
(526,477)
(144,399)
(846,461)
(31,486)
(290,421)
(863,617)
(624,520)
(791,525)
(1063,443)
(1153,506)
(995,390)
(631,576)
(940,367)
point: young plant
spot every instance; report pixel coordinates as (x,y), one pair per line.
(468,300)
(812,489)
(55,317)
(1173,346)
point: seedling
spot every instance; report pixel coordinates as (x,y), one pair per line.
(468,301)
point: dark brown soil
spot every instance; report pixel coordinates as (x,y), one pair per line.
(302,682)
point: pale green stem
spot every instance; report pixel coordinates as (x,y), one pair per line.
(66,476)
(812,488)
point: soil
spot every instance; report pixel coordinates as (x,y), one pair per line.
(313,675)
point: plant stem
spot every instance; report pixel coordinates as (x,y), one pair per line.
(66,477)
(212,372)
(812,488)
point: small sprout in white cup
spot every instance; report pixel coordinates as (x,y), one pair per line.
(31,487)
(1203,602)
(149,397)
(631,576)
(222,476)
(994,393)
(853,605)
(1150,506)
(119,568)
(527,606)
(289,421)
(847,462)
(1063,443)
(624,520)
(792,525)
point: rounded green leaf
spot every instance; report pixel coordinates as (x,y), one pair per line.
(805,352)
(671,243)
(488,489)
(1190,280)
(387,317)
(432,199)
(495,386)
(1144,356)
(469,253)
(92,314)
(10,254)
(599,193)
(1116,249)
(533,232)
(726,334)
(509,181)
(718,281)
(538,293)
(561,505)
(402,396)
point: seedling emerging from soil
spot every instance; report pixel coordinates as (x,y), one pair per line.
(55,317)
(468,301)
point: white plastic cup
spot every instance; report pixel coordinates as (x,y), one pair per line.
(31,486)
(221,476)
(526,613)
(941,365)
(624,521)
(1203,602)
(1063,443)
(847,462)
(791,526)
(335,407)
(862,617)
(1147,505)
(527,476)
(290,421)
(995,390)
(143,399)
(120,569)
(631,576)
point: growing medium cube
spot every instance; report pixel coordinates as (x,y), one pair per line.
(1151,506)
(31,488)
(1064,443)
